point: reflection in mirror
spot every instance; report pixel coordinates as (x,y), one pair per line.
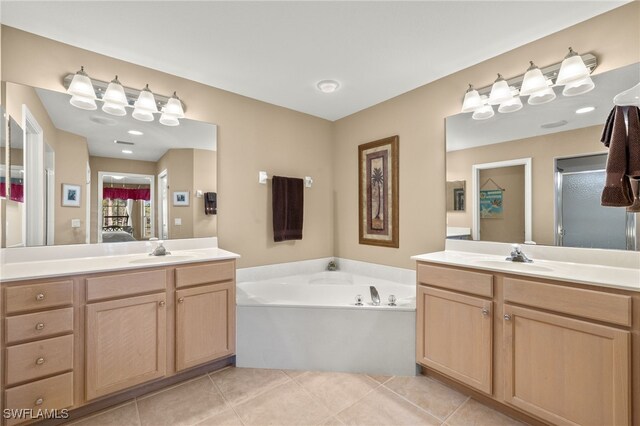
(455,196)
(114,165)
(567,162)
(13,187)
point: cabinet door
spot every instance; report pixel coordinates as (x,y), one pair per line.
(566,371)
(454,336)
(205,324)
(125,343)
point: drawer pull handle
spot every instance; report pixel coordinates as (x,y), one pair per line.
(38,401)
(161,303)
(485,312)
(181,300)
(40,326)
(40,361)
(507,317)
(39,297)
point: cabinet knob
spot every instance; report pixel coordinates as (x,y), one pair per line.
(40,326)
(180,300)
(161,303)
(485,311)
(507,317)
(38,401)
(40,297)
(40,361)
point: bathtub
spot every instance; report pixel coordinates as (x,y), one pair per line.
(311,322)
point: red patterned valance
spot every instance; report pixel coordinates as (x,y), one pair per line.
(126,194)
(17,192)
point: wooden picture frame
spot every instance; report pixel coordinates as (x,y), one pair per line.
(71,195)
(378,207)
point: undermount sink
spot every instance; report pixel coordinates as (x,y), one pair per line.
(512,265)
(160,259)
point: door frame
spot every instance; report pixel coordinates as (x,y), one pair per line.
(475,199)
(162,199)
(33,224)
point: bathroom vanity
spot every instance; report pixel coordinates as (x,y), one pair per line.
(553,340)
(124,326)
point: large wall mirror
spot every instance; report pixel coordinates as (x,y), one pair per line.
(73,176)
(536,175)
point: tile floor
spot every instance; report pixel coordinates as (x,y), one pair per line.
(246,396)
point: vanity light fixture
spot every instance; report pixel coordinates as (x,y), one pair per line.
(85,91)
(500,91)
(585,110)
(484,112)
(536,83)
(579,87)
(472,100)
(82,93)
(572,69)
(114,99)
(328,86)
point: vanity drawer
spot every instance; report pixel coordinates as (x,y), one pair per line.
(38,296)
(477,283)
(204,274)
(119,285)
(38,325)
(597,305)
(52,393)
(38,359)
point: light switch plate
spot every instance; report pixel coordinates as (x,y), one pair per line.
(75,223)
(177,221)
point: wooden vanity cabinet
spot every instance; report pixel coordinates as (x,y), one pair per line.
(561,352)
(92,340)
(205,303)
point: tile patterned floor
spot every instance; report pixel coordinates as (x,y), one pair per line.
(247,396)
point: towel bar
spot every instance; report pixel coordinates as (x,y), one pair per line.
(264,176)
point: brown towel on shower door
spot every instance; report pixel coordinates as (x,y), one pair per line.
(288,208)
(617,190)
(608,128)
(633,143)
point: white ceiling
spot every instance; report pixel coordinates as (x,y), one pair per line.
(464,132)
(277,51)
(101,130)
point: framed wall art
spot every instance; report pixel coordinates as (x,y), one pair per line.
(181,198)
(378,192)
(70,195)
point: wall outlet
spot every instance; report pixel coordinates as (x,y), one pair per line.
(75,223)
(177,221)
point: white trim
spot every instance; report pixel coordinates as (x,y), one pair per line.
(33,224)
(475,187)
(161,200)
(133,175)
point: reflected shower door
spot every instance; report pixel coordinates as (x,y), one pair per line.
(584,222)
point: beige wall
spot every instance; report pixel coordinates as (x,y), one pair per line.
(118,165)
(543,150)
(252,136)
(204,179)
(179,166)
(418,118)
(510,227)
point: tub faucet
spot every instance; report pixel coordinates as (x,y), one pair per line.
(517,255)
(375,297)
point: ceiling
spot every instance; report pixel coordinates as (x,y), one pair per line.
(101,130)
(464,132)
(277,51)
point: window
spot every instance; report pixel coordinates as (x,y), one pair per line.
(114,212)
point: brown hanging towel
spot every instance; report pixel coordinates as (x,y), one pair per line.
(617,190)
(633,143)
(288,208)
(210,203)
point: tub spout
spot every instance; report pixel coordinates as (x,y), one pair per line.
(375,297)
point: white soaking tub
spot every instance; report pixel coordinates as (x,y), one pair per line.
(311,322)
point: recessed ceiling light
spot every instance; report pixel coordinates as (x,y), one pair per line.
(554,124)
(118,177)
(585,110)
(127,151)
(135,132)
(328,86)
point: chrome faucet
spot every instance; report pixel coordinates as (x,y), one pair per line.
(517,255)
(375,297)
(160,250)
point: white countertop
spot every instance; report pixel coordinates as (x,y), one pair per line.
(19,271)
(599,275)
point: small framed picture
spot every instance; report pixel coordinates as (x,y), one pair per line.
(181,198)
(70,195)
